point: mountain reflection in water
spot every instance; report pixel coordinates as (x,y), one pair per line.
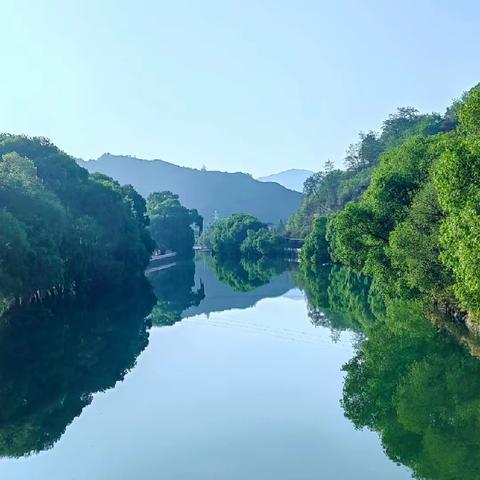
(275,363)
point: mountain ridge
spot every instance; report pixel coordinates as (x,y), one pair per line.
(213,193)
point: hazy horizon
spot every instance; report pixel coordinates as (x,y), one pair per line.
(194,167)
(259,87)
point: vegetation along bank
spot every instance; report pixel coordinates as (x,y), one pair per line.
(406,211)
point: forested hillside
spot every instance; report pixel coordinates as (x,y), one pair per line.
(415,230)
(207,191)
(331,189)
(61,227)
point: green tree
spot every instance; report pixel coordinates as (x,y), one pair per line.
(171,223)
(330,190)
(414,248)
(76,230)
(263,243)
(365,153)
(314,252)
(359,234)
(457,179)
(227,235)
(14,249)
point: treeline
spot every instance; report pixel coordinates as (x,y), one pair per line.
(64,229)
(61,227)
(415,228)
(243,235)
(331,189)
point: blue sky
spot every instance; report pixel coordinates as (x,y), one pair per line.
(257,86)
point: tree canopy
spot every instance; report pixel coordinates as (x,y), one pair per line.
(244,235)
(415,227)
(61,227)
(329,190)
(171,223)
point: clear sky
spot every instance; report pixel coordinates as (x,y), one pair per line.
(252,85)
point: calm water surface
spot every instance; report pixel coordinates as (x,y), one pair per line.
(235,383)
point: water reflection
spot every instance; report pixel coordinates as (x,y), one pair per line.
(420,390)
(338,298)
(186,288)
(409,380)
(175,290)
(55,355)
(247,275)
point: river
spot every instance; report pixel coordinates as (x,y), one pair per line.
(234,375)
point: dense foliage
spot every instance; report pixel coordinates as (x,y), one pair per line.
(415,228)
(61,227)
(171,223)
(359,234)
(262,243)
(330,190)
(244,235)
(314,253)
(457,180)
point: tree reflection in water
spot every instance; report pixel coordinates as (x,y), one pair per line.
(409,381)
(245,275)
(175,291)
(420,390)
(55,355)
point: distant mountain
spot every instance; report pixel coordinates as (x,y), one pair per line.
(292,179)
(210,192)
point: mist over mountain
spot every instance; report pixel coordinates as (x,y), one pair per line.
(292,179)
(210,192)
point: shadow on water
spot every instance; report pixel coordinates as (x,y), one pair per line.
(55,355)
